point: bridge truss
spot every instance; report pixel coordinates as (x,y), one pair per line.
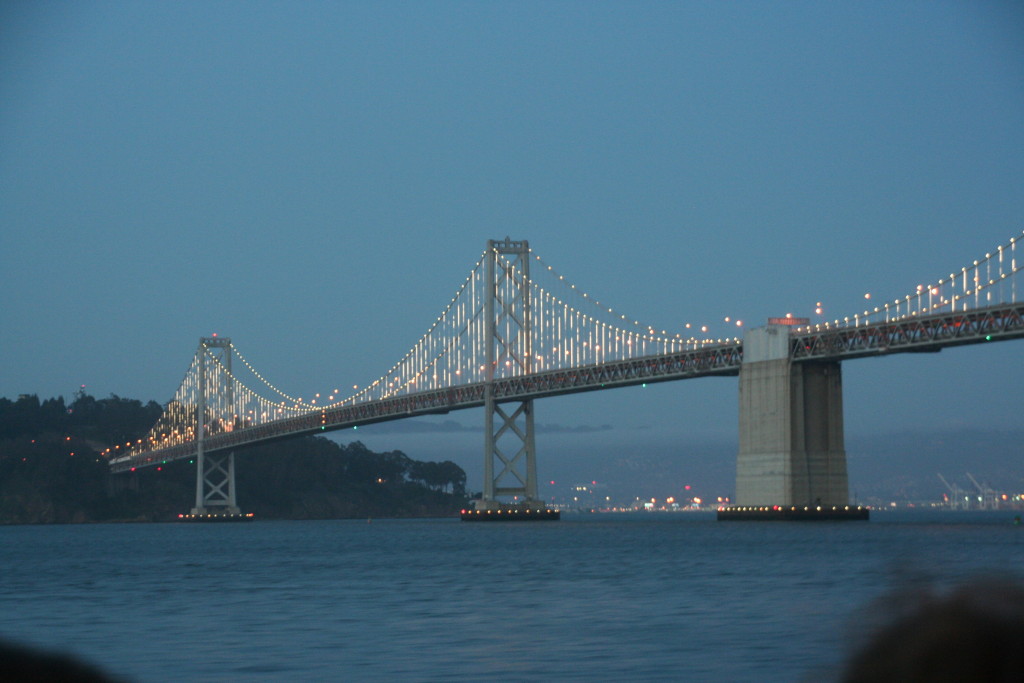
(914,334)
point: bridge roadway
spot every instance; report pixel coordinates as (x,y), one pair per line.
(914,334)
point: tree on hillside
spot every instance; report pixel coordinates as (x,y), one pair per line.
(440,476)
(113,420)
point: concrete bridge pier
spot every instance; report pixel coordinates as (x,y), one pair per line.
(791,449)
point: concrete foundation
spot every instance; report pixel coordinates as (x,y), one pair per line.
(791,427)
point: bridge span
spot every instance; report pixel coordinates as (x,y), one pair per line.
(724,359)
(508,338)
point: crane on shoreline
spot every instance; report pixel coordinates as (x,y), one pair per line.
(987,498)
(957,498)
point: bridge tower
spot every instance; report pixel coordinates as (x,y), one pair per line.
(510,454)
(791,450)
(215,472)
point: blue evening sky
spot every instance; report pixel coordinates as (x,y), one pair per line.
(315,179)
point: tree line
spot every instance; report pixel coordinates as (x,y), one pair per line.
(52,471)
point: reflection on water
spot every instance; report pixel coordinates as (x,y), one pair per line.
(596,597)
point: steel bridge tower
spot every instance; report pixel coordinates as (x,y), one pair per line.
(510,454)
(215,472)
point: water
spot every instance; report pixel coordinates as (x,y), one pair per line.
(594,597)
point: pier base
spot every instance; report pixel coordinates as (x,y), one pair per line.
(491,511)
(779,513)
(216,517)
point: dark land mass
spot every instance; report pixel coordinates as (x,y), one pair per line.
(52,472)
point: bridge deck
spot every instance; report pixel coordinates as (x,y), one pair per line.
(913,334)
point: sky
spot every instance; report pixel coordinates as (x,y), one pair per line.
(315,180)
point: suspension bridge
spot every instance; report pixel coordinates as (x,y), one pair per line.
(516,331)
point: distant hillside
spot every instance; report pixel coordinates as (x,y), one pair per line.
(905,466)
(51,472)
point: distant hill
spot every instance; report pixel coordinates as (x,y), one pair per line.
(51,471)
(905,466)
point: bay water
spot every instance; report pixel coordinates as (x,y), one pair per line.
(593,597)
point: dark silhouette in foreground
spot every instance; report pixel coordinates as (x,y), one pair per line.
(973,633)
(25,665)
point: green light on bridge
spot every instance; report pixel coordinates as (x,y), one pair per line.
(988,337)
